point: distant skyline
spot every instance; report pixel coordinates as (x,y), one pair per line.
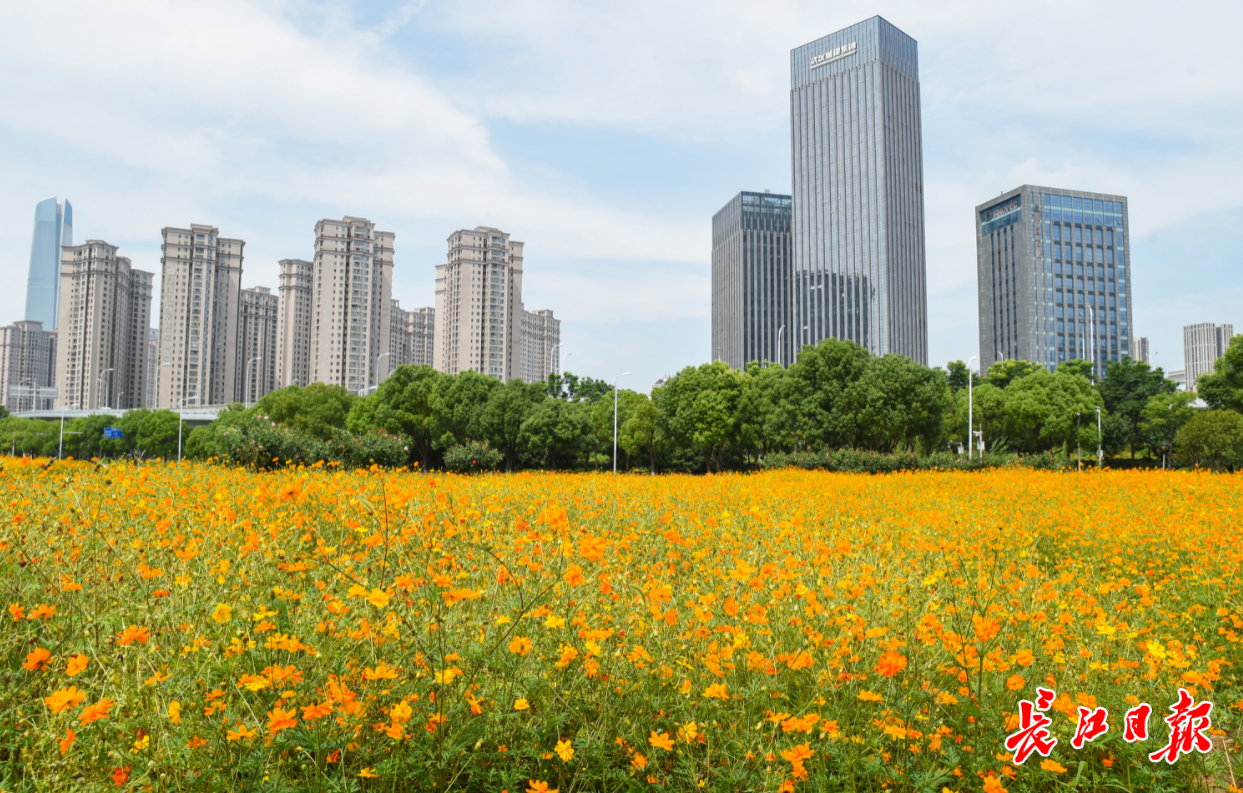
(605,137)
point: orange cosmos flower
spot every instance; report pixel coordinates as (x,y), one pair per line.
(64,699)
(380,672)
(455,595)
(96,711)
(574,575)
(174,712)
(660,740)
(1015,682)
(313,712)
(42,612)
(520,645)
(120,776)
(378,598)
(536,786)
(222,613)
(281,719)
(716,691)
(133,634)
(890,663)
(368,773)
(67,741)
(76,664)
(37,659)
(638,761)
(241,733)
(798,753)
(15,609)
(1024,658)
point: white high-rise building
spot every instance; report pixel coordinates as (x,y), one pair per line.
(421,328)
(478,322)
(200,294)
(541,345)
(399,341)
(105,319)
(293,334)
(1139,349)
(257,350)
(1203,344)
(352,303)
(27,366)
(153,361)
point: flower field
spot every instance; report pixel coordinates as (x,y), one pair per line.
(209,628)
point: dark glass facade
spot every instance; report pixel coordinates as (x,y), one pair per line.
(858,207)
(751,269)
(1054,277)
(53,229)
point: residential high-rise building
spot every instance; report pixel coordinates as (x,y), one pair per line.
(257,350)
(399,341)
(479,305)
(1139,349)
(352,303)
(153,362)
(27,366)
(105,317)
(541,345)
(752,273)
(421,329)
(293,335)
(1203,344)
(53,229)
(200,295)
(858,199)
(1053,277)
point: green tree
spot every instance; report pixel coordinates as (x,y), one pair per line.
(1003,373)
(555,429)
(989,405)
(402,406)
(898,404)
(317,409)
(957,375)
(1044,411)
(700,408)
(1166,414)
(822,375)
(1212,439)
(457,408)
(639,434)
(508,406)
(156,434)
(1077,367)
(1127,388)
(769,421)
(1222,389)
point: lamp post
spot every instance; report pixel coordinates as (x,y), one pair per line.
(180,411)
(552,355)
(119,400)
(781,353)
(246,393)
(1100,452)
(623,374)
(378,378)
(970,406)
(99,390)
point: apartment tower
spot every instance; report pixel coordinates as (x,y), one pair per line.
(1139,349)
(1203,344)
(352,303)
(751,280)
(399,341)
(27,366)
(478,323)
(200,296)
(541,345)
(1053,277)
(105,316)
(858,202)
(293,333)
(257,350)
(421,329)
(53,230)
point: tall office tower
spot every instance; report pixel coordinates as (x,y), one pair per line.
(1052,277)
(53,229)
(751,280)
(257,350)
(421,329)
(400,343)
(1139,349)
(293,335)
(858,213)
(105,316)
(199,299)
(479,305)
(1203,344)
(541,345)
(352,303)
(153,362)
(27,366)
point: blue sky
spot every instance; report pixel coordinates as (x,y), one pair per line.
(604,136)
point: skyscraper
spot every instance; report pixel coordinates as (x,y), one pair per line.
(257,350)
(297,298)
(1053,277)
(858,202)
(1203,344)
(479,304)
(199,302)
(352,308)
(27,366)
(541,345)
(105,319)
(53,229)
(1139,349)
(751,280)
(421,329)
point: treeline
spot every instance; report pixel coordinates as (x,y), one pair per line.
(836,407)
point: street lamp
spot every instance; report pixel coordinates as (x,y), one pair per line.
(119,400)
(180,405)
(1100,452)
(246,393)
(623,374)
(378,378)
(781,353)
(552,354)
(100,388)
(970,407)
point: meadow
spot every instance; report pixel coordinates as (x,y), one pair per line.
(199,627)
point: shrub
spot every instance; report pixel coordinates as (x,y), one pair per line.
(469,458)
(864,462)
(1213,440)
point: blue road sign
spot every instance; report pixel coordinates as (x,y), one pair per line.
(112,432)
